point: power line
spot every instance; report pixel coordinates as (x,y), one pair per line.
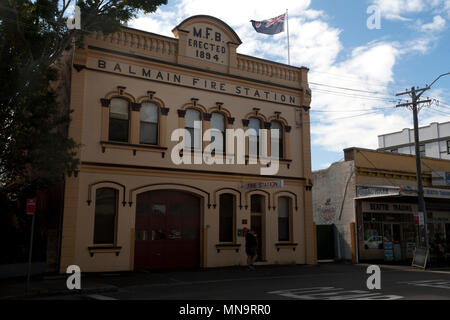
(349,117)
(355,96)
(356,79)
(352,110)
(439,111)
(344,88)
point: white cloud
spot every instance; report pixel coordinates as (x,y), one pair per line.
(438,24)
(404,10)
(395,9)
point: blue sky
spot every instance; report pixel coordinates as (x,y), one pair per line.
(330,37)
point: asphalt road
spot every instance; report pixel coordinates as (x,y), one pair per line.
(323,282)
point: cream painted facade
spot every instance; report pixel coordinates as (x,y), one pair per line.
(173,74)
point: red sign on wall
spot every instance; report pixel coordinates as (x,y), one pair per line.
(31,206)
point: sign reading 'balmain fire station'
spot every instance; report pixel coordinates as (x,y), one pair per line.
(191,81)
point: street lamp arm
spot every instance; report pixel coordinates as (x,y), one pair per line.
(444,74)
(429,86)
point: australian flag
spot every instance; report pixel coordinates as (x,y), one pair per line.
(270,26)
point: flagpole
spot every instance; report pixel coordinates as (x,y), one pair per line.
(289,49)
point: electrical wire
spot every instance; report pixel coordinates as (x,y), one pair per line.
(356,96)
(349,117)
(352,110)
(343,88)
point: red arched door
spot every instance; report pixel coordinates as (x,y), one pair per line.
(167,230)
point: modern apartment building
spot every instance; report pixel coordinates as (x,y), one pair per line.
(434,141)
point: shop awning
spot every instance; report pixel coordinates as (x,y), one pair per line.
(368,191)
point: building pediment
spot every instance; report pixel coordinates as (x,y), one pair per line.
(207,42)
(205,21)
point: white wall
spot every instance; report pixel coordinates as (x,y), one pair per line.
(328,196)
(436,149)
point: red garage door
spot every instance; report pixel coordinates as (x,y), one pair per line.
(167,230)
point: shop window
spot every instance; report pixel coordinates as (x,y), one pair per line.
(283,219)
(105,216)
(226,217)
(194,127)
(254,125)
(256,203)
(119,120)
(373,231)
(149,123)
(218,125)
(279,126)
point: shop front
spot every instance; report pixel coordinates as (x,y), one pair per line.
(387,231)
(439,235)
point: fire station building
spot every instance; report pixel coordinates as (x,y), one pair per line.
(130,206)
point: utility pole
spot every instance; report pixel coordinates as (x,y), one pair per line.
(414,105)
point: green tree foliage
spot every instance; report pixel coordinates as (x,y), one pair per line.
(35,149)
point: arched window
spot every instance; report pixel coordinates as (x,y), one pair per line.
(254,125)
(256,203)
(218,124)
(105,216)
(149,123)
(226,217)
(119,120)
(283,218)
(194,126)
(279,126)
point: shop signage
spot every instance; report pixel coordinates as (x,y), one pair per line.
(376,191)
(420,258)
(440,178)
(31,206)
(388,251)
(418,219)
(421,219)
(191,81)
(397,252)
(427,192)
(410,247)
(264,185)
(389,207)
(438,217)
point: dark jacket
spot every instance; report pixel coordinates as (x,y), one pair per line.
(250,240)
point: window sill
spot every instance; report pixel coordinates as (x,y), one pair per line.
(191,151)
(287,162)
(228,246)
(133,147)
(104,249)
(286,245)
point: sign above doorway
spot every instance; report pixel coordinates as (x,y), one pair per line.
(263,185)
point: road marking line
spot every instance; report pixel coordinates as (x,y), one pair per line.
(437,283)
(331,293)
